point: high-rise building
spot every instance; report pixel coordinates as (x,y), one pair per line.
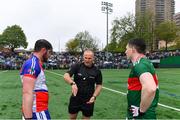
(177,18)
(161,9)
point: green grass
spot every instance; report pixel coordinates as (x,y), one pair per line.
(109,105)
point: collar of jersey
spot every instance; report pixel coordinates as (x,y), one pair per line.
(137,62)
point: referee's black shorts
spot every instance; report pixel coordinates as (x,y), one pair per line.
(77,104)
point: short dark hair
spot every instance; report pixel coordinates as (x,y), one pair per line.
(42,43)
(88,50)
(139,44)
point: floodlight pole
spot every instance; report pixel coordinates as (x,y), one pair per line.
(107,9)
(107,29)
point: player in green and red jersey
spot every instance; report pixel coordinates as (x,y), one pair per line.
(143,92)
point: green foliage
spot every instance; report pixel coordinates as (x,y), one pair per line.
(167,31)
(145,28)
(72,45)
(86,41)
(14,37)
(124,40)
(112,47)
(177,39)
(122,28)
(2,41)
(82,41)
(177,46)
(129,27)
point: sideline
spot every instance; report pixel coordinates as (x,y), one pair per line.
(166,106)
(3,71)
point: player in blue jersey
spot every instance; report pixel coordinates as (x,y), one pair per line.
(35,91)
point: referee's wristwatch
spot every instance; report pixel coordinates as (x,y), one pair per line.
(73,83)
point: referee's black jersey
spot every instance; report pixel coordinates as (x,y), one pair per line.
(85,78)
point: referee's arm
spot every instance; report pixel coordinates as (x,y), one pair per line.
(69,74)
(97,89)
(98,84)
(67,78)
(74,87)
(95,94)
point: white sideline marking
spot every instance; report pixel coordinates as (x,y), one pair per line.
(54,73)
(114,90)
(166,106)
(3,71)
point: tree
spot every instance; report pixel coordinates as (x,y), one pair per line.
(119,33)
(129,27)
(86,41)
(1,41)
(82,41)
(167,31)
(177,39)
(177,46)
(145,28)
(72,45)
(14,37)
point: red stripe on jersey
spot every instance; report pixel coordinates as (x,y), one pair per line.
(41,101)
(134,84)
(29,75)
(155,79)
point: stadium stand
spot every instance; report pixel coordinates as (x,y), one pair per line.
(63,60)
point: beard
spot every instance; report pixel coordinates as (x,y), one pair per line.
(44,58)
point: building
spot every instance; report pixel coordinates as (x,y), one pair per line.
(177,18)
(161,9)
(162,44)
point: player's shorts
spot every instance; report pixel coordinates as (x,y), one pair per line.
(77,104)
(43,115)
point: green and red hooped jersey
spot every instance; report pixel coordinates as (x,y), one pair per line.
(134,86)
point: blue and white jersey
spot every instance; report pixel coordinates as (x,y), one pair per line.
(33,68)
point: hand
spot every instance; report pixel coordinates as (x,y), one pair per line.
(24,118)
(74,89)
(136,111)
(92,99)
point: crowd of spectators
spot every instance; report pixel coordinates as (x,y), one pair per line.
(162,54)
(63,60)
(12,60)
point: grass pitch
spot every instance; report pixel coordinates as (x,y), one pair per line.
(109,105)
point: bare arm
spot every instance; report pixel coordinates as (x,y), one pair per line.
(68,79)
(97,90)
(148,91)
(27,100)
(95,94)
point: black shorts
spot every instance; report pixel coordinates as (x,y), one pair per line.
(77,104)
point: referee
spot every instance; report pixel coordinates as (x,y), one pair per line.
(86,86)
